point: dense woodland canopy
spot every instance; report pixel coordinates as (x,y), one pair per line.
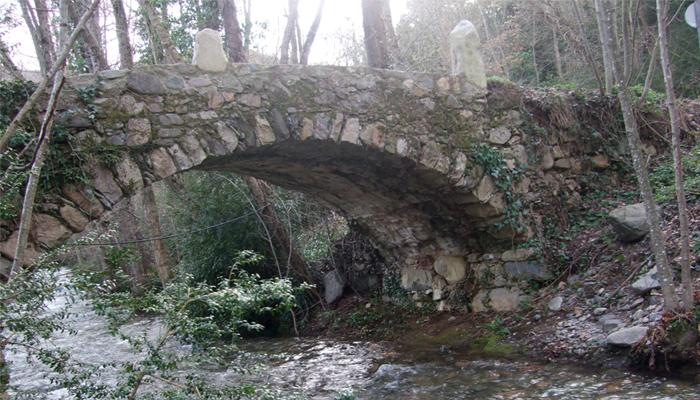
(283,241)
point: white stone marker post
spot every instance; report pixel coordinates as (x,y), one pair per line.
(466,56)
(209,52)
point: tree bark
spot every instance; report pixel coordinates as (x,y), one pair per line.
(42,53)
(289,30)
(533,46)
(311,34)
(674,116)
(283,241)
(170,53)
(65,50)
(43,141)
(211,16)
(233,38)
(632,130)
(375,34)
(605,37)
(98,60)
(44,30)
(161,258)
(557,55)
(650,72)
(7,62)
(588,53)
(626,41)
(126,58)
(129,230)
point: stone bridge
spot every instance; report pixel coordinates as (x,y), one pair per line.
(408,156)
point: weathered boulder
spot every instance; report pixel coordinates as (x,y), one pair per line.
(8,247)
(499,135)
(208,51)
(466,56)
(416,279)
(86,202)
(524,270)
(517,255)
(627,337)
(646,283)
(505,299)
(105,186)
(144,83)
(439,288)
(74,218)
(452,268)
(630,222)
(555,303)
(609,322)
(48,231)
(600,161)
(333,286)
(499,300)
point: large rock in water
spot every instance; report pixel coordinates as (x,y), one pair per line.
(627,337)
(333,285)
(630,222)
(208,52)
(466,56)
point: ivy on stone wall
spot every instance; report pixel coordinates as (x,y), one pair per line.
(504,177)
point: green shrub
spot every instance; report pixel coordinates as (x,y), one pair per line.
(663,179)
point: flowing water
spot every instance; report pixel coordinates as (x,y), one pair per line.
(321,369)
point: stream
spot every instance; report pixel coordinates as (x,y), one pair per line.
(316,368)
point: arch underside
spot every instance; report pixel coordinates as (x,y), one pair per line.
(410,211)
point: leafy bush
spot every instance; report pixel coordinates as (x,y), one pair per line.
(663,180)
(207,200)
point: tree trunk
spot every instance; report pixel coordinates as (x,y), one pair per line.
(533,46)
(233,39)
(44,28)
(626,41)
(126,59)
(211,14)
(674,116)
(161,258)
(171,55)
(375,34)
(42,53)
(311,35)
(65,51)
(487,36)
(7,63)
(4,375)
(588,53)
(289,31)
(283,241)
(247,24)
(605,37)
(557,55)
(650,72)
(98,60)
(129,230)
(632,130)
(43,141)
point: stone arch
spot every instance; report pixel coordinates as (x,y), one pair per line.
(387,148)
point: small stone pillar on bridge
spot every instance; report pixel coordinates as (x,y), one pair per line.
(466,55)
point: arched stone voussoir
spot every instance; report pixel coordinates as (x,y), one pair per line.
(393,150)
